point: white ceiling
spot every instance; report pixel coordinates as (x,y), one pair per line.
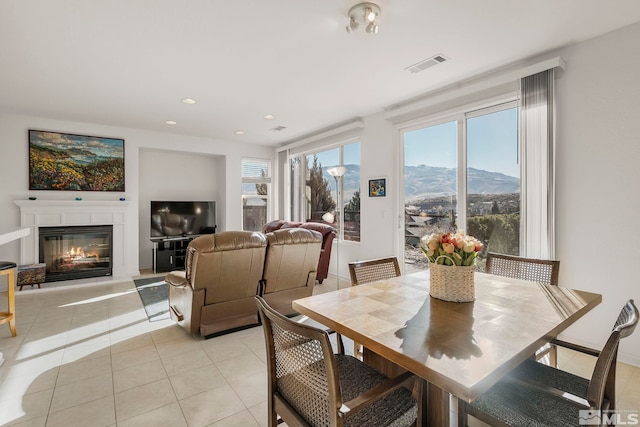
(130,62)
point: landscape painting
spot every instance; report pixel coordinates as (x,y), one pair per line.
(68,162)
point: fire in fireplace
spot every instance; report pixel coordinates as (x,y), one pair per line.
(76,252)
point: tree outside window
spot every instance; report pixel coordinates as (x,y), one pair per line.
(320,195)
(256,199)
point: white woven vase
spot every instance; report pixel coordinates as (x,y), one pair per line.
(452,283)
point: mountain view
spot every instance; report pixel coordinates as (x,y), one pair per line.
(427,181)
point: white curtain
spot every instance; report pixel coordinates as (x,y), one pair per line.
(537,154)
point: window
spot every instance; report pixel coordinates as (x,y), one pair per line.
(493,181)
(256,193)
(318,196)
(464,173)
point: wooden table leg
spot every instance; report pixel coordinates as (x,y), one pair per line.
(437,403)
(433,402)
(11,288)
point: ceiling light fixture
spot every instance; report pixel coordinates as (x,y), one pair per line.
(171,122)
(239,132)
(269,116)
(188,101)
(366,14)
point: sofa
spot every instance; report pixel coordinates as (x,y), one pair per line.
(328,234)
(290,267)
(225,271)
(216,290)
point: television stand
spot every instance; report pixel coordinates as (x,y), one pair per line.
(169,254)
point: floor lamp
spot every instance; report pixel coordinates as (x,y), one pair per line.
(337,172)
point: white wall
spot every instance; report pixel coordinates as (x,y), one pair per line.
(598,149)
(172,176)
(225,172)
(378,220)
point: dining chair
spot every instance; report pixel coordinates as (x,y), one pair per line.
(543,271)
(537,394)
(372,270)
(369,271)
(536,270)
(309,385)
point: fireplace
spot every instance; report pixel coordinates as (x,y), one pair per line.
(76,252)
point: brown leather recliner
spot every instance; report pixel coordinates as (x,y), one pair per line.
(217,290)
(290,267)
(328,234)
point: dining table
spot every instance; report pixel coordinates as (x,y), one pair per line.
(456,350)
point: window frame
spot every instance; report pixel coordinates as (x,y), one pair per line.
(303,172)
(267,180)
(460,115)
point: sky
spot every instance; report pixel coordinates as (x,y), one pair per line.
(491,144)
(331,158)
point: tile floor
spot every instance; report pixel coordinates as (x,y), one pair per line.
(87,356)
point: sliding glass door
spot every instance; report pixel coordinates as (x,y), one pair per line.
(463,173)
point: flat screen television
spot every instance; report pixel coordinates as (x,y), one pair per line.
(182,219)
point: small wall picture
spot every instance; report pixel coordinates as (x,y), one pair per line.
(64,161)
(377,187)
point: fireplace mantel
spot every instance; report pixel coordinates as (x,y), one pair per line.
(64,204)
(50,213)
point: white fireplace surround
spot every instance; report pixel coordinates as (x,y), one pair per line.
(51,213)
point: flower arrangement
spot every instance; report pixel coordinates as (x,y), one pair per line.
(451,248)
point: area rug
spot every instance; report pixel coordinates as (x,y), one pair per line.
(154,293)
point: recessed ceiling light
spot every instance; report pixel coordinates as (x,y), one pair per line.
(239,132)
(188,101)
(171,122)
(269,116)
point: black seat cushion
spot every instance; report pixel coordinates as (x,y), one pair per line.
(552,377)
(396,409)
(516,403)
(5,265)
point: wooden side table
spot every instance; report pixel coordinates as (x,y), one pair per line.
(9,269)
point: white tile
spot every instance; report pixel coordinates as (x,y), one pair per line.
(225,347)
(241,419)
(86,350)
(241,366)
(194,358)
(67,396)
(20,408)
(83,369)
(166,416)
(130,342)
(29,383)
(34,422)
(96,413)
(138,375)
(181,346)
(141,399)
(171,332)
(259,413)
(33,366)
(210,406)
(252,389)
(126,359)
(196,380)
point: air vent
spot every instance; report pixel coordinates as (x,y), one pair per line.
(278,128)
(427,63)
